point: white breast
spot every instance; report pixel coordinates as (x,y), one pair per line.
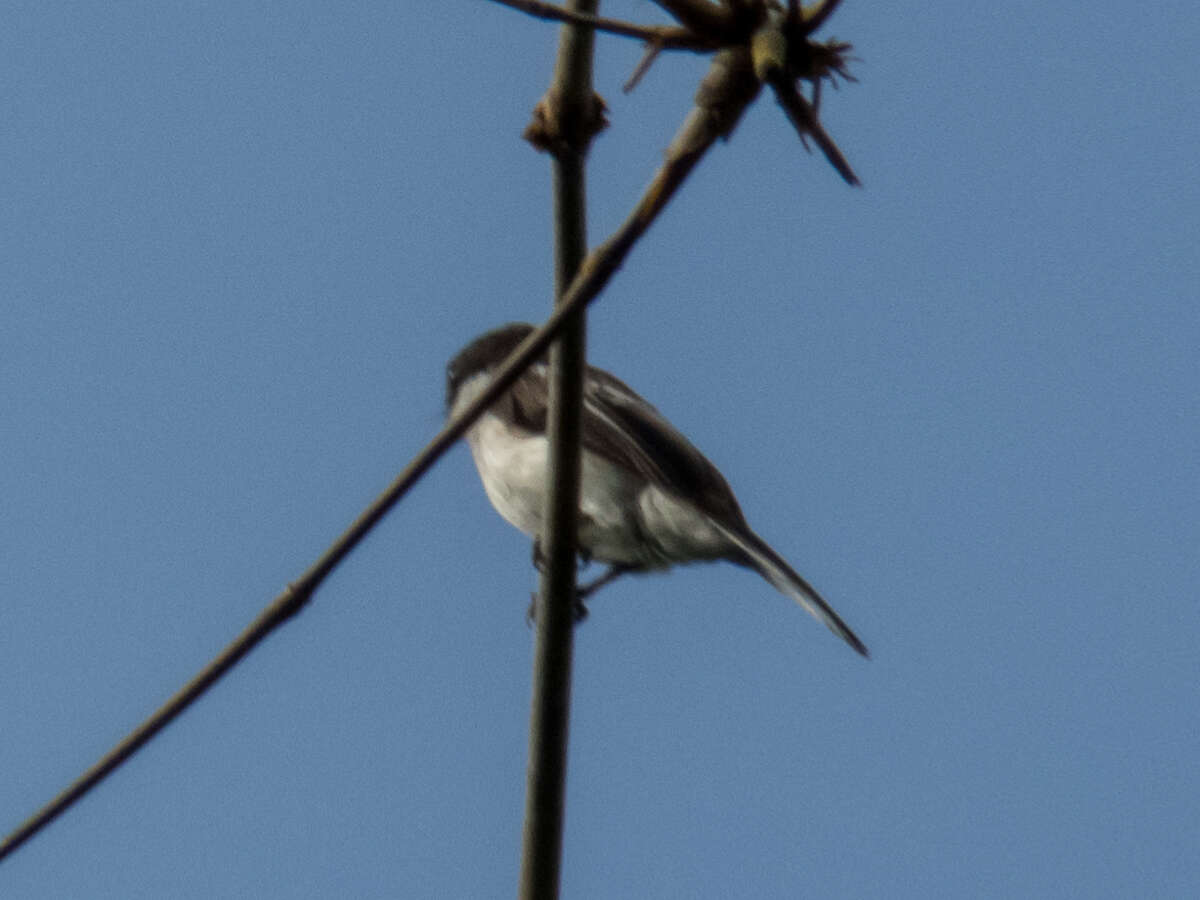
(513,471)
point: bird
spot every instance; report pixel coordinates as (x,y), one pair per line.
(648,499)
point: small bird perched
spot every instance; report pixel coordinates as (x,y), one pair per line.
(648,499)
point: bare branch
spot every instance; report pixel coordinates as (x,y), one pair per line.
(705,19)
(669,36)
(801,114)
(643,66)
(570,108)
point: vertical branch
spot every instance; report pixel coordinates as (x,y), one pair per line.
(565,121)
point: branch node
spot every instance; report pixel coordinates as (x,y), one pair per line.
(556,130)
(294,598)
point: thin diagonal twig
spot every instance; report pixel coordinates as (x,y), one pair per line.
(298,594)
(648,57)
(706,19)
(671,36)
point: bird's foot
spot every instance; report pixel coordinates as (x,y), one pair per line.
(614,572)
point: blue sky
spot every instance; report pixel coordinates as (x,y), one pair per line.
(241,240)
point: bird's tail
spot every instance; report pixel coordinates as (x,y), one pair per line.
(773,567)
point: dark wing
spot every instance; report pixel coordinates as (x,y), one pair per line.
(625,428)
(622,427)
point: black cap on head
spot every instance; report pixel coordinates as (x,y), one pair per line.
(483,353)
